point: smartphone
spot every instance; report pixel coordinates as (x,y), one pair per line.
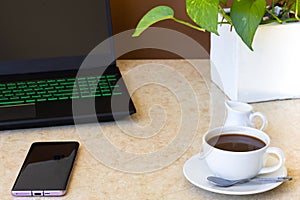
(46,170)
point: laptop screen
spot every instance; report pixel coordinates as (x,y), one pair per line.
(43,35)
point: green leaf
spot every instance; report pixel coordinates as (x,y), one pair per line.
(204,13)
(155,15)
(246,15)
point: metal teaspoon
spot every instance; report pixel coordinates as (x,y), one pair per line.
(226,183)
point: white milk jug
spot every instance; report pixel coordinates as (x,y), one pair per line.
(241,114)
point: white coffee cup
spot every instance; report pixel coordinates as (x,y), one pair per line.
(238,165)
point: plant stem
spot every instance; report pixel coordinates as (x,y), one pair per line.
(275,17)
(283,21)
(188,24)
(296,9)
(224,23)
(224,14)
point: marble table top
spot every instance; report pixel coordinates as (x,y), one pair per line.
(142,156)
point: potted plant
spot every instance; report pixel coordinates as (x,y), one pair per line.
(247,59)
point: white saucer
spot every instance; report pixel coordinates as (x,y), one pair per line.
(196,171)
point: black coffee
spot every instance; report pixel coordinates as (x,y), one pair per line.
(236,142)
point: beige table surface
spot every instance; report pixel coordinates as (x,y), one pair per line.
(145,159)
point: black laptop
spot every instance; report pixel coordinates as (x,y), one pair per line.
(43,46)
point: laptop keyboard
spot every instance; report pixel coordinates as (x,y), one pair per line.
(58,89)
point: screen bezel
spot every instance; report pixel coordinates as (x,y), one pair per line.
(11,67)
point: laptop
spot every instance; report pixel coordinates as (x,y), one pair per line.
(43,47)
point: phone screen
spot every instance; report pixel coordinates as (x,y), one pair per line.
(46,170)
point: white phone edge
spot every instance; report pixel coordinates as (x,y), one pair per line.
(38,193)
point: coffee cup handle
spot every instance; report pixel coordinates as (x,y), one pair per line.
(260,115)
(281,159)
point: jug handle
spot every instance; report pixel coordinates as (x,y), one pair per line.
(261,116)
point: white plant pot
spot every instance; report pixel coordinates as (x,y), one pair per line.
(270,72)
